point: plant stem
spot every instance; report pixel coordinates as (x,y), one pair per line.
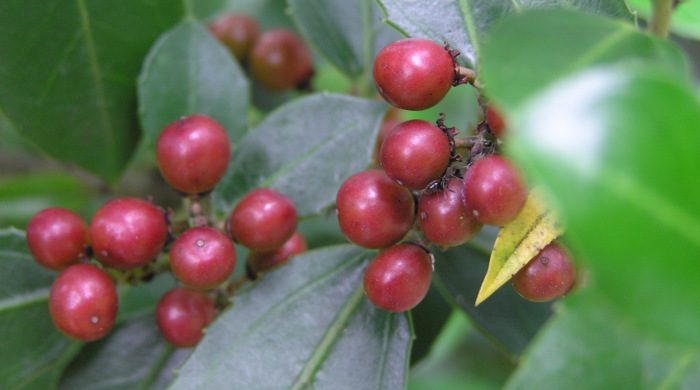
(660,21)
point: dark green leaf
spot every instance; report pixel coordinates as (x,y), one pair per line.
(133,356)
(463,23)
(305,150)
(593,140)
(429,319)
(32,352)
(505,317)
(68,73)
(348,33)
(590,346)
(549,44)
(306,324)
(188,72)
(685,20)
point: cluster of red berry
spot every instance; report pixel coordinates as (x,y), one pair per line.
(422,176)
(127,235)
(278,59)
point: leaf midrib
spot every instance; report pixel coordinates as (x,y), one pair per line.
(26,299)
(96,73)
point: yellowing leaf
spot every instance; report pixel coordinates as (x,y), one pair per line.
(518,242)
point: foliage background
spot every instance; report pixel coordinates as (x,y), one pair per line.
(604,116)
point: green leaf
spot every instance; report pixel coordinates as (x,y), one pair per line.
(547,45)
(32,352)
(348,33)
(463,23)
(461,358)
(428,319)
(505,317)
(685,20)
(68,75)
(133,356)
(588,345)
(188,72)
(305,324)
(305,150)
(593,140)
(22,196)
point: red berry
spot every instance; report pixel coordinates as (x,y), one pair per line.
(494,190)
(413,74)
(264,219)
(57,238)
(548,276)
(495,122)
(193,154)
(415,153)
(182,314)
(127,233)
(83,302)
(202,257)
(373,210)
(399,277)
(281,61)
(261,261)
(237,32)
(443,218)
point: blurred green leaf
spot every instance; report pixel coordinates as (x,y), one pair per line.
(463,23)
(32,352)
(550,44)
(590,346)
(348,33)
(268,13)
(623,191)
(133,356)
(505,318)
(461,358)
(67,75)
(685,20)
(305,324)
(188,72)
(305,150)
(22,196)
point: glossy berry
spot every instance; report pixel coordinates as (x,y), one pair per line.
(127,233)
(399,277)
(413,73)
(548,276)
(442,217)
(202,257)
(83,302)
(495,122)
(415,153)
(193,154)
(264,219)
(261,261)
(182,314)
(57,238)
(238,32)
(281,61)
(494,190)
(373,210)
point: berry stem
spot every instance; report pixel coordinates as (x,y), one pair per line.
(466,76)
(198,208)
(661,11)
